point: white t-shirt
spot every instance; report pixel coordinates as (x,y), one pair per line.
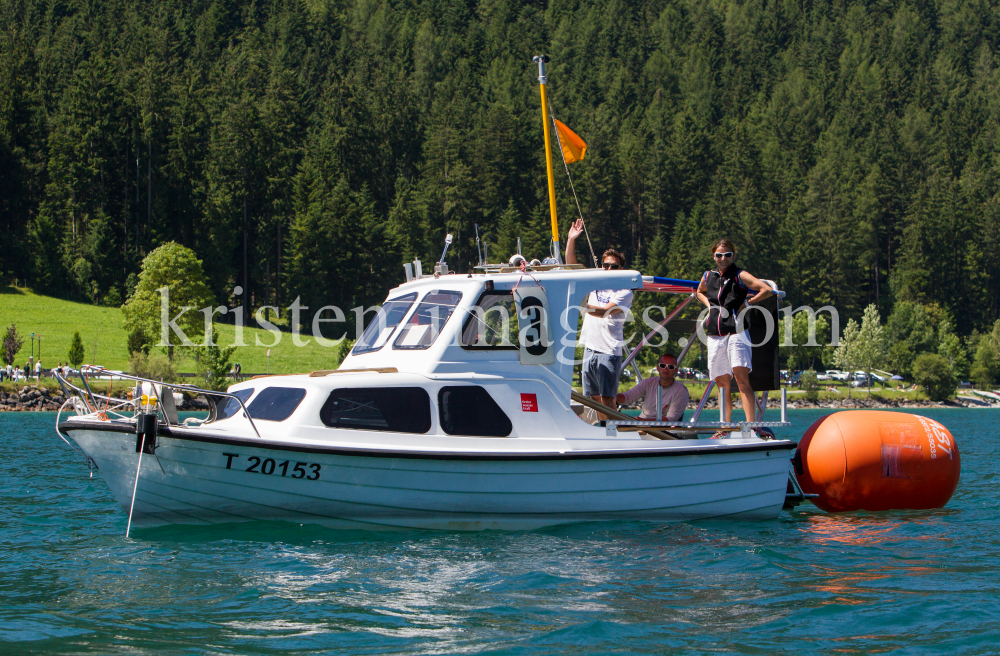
(606,334)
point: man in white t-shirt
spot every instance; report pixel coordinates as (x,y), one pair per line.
(603,327)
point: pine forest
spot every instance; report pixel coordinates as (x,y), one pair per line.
(308,148)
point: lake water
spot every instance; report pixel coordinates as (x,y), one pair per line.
(899,582)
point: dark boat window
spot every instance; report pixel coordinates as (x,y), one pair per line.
(229,406)
(395,409)
(492,323)
(426,322)
(384,323)
(276,403)
(470,410)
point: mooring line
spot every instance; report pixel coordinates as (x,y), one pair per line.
(135,486)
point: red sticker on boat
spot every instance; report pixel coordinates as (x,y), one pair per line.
(529,403)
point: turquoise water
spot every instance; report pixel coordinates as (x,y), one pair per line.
(899,582)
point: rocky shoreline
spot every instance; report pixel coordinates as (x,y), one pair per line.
(839,404)
(36,398)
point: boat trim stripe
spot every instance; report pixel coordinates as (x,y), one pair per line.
(165,431)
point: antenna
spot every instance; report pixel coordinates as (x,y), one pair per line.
(518,245)
(480,252)
(447,243)
(486,248)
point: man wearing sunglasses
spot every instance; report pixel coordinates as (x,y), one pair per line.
(673,395)
(603,329)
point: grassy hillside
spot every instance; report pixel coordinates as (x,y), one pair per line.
(105,340)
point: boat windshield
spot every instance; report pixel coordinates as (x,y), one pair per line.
(429,319)
(229,406)
(380,329)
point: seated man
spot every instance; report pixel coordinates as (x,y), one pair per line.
(673,395)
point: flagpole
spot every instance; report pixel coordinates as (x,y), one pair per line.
(541,61)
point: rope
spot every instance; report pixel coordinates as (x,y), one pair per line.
(135,486)
(571,186)
(524,270)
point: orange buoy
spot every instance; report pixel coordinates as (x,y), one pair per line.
(872,460)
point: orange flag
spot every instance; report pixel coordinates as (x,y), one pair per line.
(574,148)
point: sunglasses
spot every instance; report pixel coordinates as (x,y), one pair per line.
(664,365)
(720,256)
(611,265)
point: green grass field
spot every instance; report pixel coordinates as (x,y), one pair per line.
(104,338)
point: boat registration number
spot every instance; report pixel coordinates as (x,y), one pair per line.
(269,466)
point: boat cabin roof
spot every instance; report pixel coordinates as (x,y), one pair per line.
(454,325)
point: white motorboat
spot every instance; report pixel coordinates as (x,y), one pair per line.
(441,417)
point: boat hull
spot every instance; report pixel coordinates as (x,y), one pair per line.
(192,481)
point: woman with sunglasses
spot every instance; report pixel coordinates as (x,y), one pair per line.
(724,292)
(673,395)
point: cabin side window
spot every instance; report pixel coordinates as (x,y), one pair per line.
(492,323)
(276,403)
(384,323)
(229,407)
(430,317)
(470,410)
(394,409)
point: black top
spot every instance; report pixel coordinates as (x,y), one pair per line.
(727,291)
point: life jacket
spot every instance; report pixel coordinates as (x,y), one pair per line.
(724,291)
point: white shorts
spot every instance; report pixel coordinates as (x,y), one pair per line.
(727,352)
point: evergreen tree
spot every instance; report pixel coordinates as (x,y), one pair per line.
(848,149)
(76,352)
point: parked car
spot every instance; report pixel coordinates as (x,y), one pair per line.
(964,384)
(824,376)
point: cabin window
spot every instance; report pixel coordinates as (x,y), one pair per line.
(492,323)
(395,409)
(276,403)
(470,410)
(426,323)
(229,406)
(384,323)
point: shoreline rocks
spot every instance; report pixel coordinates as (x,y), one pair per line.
(35,398)
(31,397)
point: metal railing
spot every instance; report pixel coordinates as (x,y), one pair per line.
(92,404)
(698,426)
(706,426)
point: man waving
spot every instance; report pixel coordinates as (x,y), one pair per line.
(603,329)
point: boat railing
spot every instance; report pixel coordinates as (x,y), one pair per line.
(695,426)
(92,400)
(744,427)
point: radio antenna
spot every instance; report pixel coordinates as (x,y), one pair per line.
(447,243)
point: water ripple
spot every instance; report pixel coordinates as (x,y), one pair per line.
(901,582)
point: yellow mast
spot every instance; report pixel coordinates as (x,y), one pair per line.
(541,61)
